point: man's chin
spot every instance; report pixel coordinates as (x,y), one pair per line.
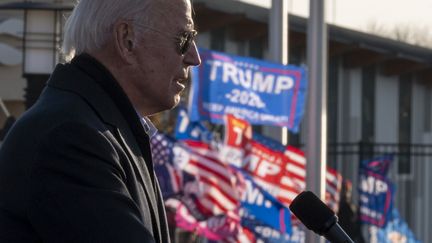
(174,103)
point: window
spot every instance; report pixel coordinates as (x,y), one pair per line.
(427,109)
(217,39)
(368,104)
(332,100)
(256,48)
(405,103)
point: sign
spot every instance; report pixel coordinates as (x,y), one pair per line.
(260,92)
(261,158)
(396,231)
(260,205)
(190,131)
(375,191)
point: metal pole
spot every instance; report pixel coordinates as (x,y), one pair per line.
(4,109)
(278,48)
(316,146)
(279,31)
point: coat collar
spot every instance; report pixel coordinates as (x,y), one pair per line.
(71,78)
(95,83)
(104,79)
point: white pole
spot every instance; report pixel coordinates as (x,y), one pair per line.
(316,144)
(278,48)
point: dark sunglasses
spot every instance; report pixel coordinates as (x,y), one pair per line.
(184,40)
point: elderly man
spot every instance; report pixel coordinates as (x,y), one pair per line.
(77,166)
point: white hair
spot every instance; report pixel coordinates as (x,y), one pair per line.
(89,26)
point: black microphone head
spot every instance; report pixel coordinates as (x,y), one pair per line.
(313,213)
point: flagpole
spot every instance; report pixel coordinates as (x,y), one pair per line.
(316,144)
(278,50)
(279,31)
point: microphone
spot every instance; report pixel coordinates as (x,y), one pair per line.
(319,218)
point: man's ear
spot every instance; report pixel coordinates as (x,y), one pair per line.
(124,40)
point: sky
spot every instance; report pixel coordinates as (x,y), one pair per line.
(413,15)
(359,13)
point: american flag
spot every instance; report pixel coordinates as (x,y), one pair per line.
(333,188)
(217,193)
(169,176)
(298,170)
(297,166)
(162,148)
(244,235)
(215,228)
(214,190)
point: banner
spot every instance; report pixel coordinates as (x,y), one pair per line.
(260,205)
(396,231)
(376,191)
(279,169)
(191,131)
(237,135)
(260,92)
(264,233)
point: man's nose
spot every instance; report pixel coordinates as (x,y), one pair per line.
(192,57)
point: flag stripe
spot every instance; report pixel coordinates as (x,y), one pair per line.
(217,193)
(201,170)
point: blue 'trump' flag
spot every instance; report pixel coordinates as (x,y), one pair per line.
(260,205)
(396,230)
(257,91)
(376,191)
(191,130)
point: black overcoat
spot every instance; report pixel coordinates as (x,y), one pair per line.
(77,166)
